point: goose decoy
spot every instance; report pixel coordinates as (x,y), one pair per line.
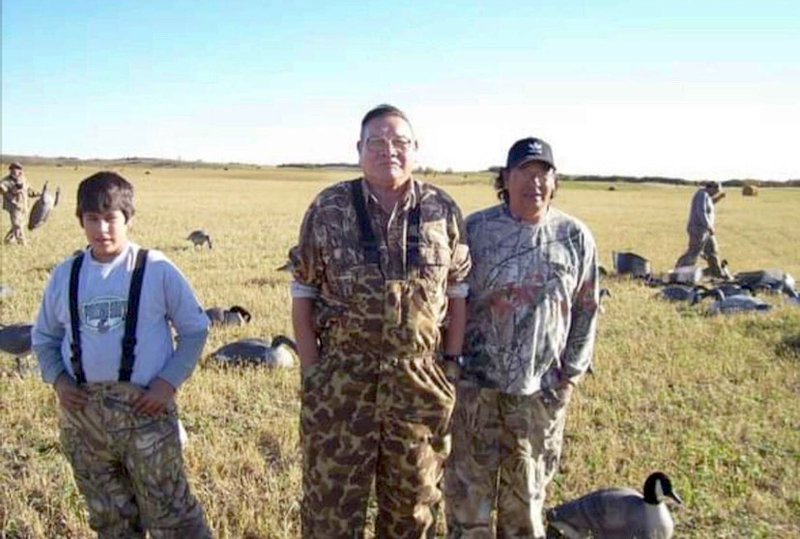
(258,352)
(733,289)
(631,263)
(15,339)
(43,207)
(768,280)
(199,237)
(235,316)
(602,295)
(687,275)
(682,292)
(739,304)
(618,513)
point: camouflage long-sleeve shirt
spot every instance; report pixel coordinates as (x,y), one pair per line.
(358,305)
(533,303)
(15,193)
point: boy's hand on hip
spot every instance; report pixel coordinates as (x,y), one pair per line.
(70,395)
(154,400)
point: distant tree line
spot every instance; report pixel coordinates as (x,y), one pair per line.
(676,181)
(155,162)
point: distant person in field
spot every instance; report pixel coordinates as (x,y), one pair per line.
(702,237)
(378,313)
(532,314)
(15,201)
(107,348)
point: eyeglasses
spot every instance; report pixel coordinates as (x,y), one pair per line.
(380,144)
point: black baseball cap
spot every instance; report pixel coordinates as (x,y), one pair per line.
(529,149)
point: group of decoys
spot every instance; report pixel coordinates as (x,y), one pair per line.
(274,353)
(735,295)
(15,340)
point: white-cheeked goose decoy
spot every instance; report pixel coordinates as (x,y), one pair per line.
(619,513)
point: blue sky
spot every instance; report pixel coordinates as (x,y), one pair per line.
(701,89)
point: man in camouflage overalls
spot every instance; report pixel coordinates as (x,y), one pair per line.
(15,201)
(379,271)
(531,319)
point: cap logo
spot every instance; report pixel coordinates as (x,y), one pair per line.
(535,147)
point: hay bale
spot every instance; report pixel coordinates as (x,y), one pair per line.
(750,191)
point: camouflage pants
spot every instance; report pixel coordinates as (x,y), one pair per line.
(367,418)
(506,450)
(130,468)
(701,243)
(17,224)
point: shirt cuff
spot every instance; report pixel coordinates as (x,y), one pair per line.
(304,291)
(458,290)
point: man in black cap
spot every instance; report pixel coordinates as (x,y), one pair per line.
(702,239)
(15,201)
(531,318)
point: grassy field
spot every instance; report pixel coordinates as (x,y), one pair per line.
(714,402)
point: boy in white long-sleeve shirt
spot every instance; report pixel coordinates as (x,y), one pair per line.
(108,350)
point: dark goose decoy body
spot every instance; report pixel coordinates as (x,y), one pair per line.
(235,316)
(199,237)
(15,339)
(275,353)
(739,304)
(43,206)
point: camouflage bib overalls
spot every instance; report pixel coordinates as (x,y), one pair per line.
(378,404)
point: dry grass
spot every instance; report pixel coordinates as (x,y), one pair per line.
(711,401)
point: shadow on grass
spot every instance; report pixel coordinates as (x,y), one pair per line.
(789,347)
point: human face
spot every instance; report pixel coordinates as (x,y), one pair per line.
(387,151)
(15,172)
(530,190)
(106,232)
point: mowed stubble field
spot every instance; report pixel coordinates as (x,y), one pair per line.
(714,402)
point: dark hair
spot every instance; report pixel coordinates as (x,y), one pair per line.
(383,110)
(500,186)
(103,192)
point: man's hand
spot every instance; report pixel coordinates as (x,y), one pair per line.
(70,395)
(154,400)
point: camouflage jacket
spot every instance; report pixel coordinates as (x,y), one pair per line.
(15,194)
(532,308)
(395,304)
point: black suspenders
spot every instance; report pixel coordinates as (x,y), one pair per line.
(75,320)
(369,244)
(131,318)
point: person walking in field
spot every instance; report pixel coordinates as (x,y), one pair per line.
(532,314)
(15,201)
(702,237)
(379,272)
(103,339)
